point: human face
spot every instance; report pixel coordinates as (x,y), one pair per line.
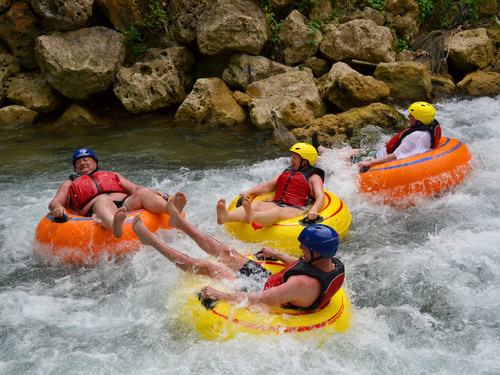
(296,161)
(412,120)
(306,252)
(85,165)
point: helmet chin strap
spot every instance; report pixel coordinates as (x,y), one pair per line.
(313,258)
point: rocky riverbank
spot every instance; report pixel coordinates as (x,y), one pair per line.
(325,67)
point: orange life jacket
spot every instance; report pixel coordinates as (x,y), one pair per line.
(87,187)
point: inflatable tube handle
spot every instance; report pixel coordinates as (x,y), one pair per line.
(239,202)
(364,170)
(207,303)
(305,221)
(61,220)
(271,259)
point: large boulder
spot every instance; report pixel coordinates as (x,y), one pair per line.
(121,13)
(78,116)
(33,92)
(232,26)
(210,102)
(298,40)
(293,96)
(81,63)
(19,29)
(337,129)
(469,50)
(360,39)
(4,5)
(9,66)
(238,74)
(63,15)
(346,88)
(481,83)
(16,116)
(407,80)
(404,17)
(148,86)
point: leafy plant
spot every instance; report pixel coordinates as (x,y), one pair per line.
(400,45)
(152,24)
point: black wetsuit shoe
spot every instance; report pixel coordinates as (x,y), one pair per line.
(315,141)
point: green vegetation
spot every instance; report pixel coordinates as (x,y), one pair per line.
(151,24)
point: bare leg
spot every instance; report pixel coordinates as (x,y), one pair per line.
(149,200)
(181,260)
(117,225)
(274,214)
(247,206)
(208,244)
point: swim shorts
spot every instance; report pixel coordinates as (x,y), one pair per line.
(118,204)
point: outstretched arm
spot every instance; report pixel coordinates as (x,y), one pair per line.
(294,291)
(58,205)
(269,252)
(371,163)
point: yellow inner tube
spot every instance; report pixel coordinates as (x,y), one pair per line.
(224,321)
(283,234)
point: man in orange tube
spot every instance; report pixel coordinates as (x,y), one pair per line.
(107,195)
(423,133)
(306,284)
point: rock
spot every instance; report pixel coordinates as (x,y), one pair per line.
(298,40)
(442,86)
(481,83)
(242,99)
(182,59)
(405,55)
(232,26)
(210,102)
(18,30)
(63,15)
(407,80)
(184,16)
(374,15)
(346,88)
(16,116)
(358,40)
(148,86)
(78,116)
(9,66)
(318,66)
(336,129)
(121,13)
(469,50)
(81,63)
(238,76)
(33,92)
(4,5)
(320,9)
(404,17)
(293,95)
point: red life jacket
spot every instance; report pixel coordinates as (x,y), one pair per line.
(293,186)
(331,281)
(433,128)
(87,187)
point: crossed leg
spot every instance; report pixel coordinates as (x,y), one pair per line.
(230,257)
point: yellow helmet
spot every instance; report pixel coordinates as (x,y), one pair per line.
(306,151)
(423,112)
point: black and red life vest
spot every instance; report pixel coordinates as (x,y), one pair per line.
(433,128)
(331,281)
(293,186)
(86,187)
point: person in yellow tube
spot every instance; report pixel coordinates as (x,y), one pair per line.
(294,189)
(306,284)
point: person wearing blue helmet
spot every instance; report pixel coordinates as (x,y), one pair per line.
(307,283)
(106,195)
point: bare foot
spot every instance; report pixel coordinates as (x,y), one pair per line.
(175,215)
(247,206)
(143,233)
(117,224)
(222,213)
(180,201)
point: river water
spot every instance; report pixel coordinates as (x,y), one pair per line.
(423,282)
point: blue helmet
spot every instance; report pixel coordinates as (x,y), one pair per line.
(82,152)
(320,238)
